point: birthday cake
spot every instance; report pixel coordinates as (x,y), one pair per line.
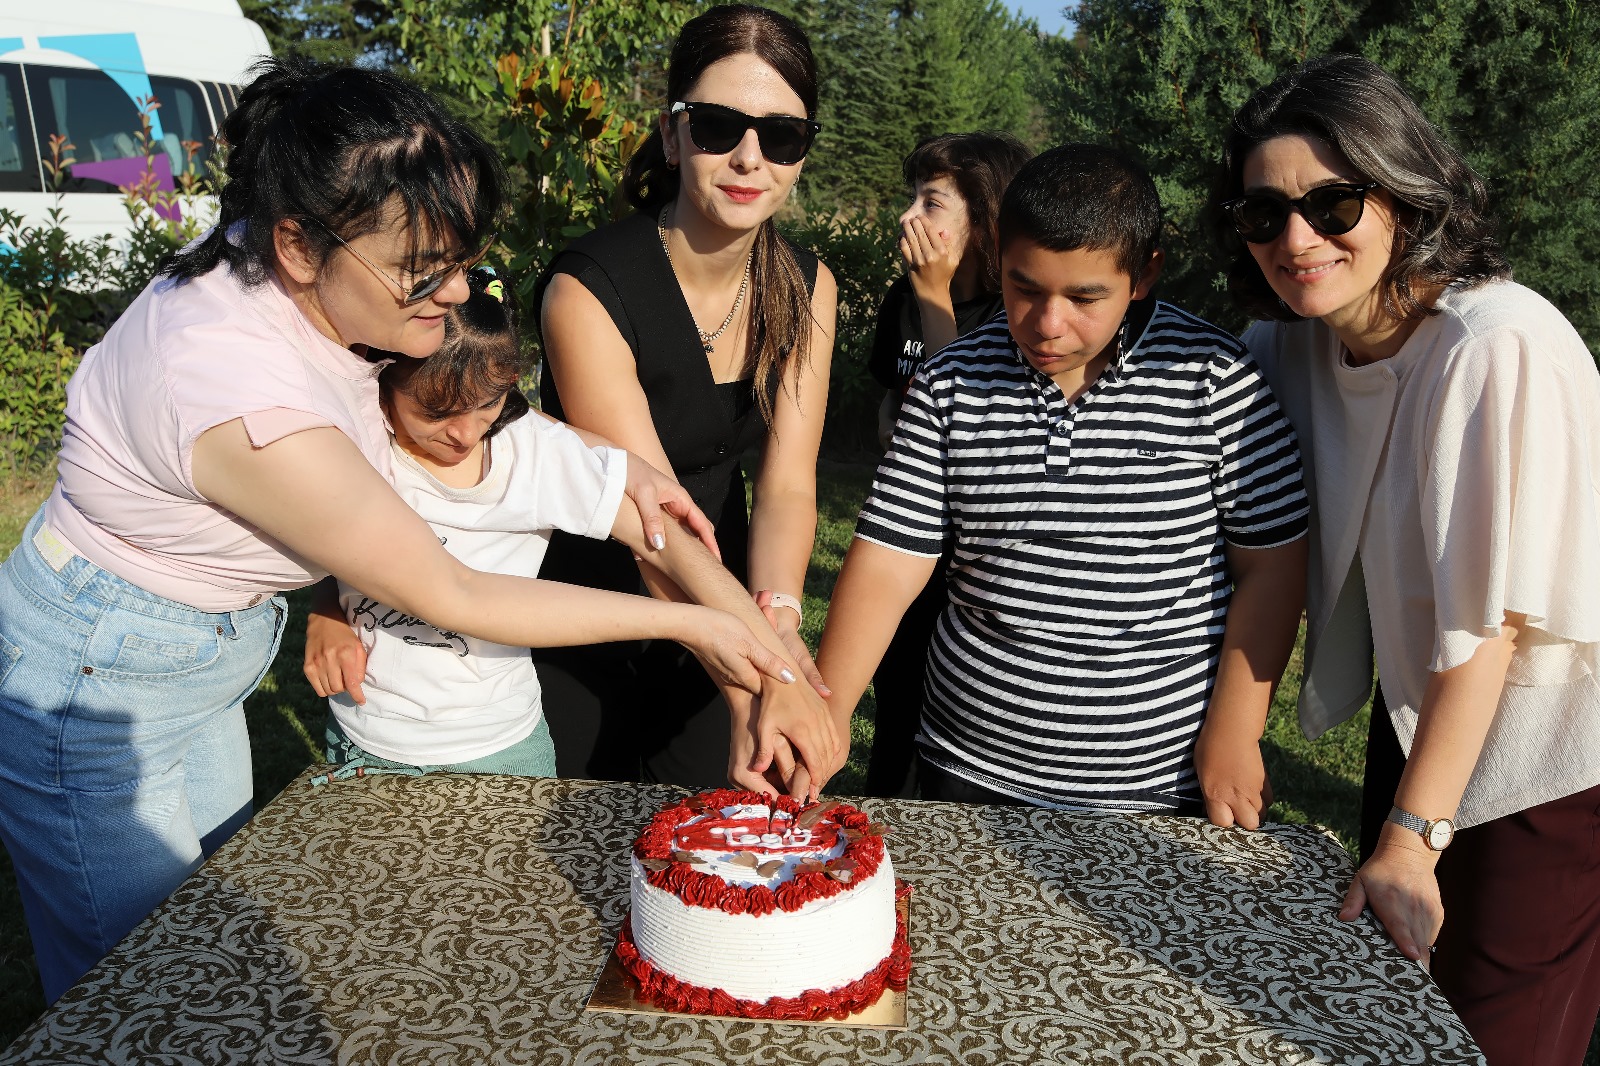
(756,907)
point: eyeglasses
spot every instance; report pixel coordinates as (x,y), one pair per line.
(716,129)
(424,286)
(1331,209)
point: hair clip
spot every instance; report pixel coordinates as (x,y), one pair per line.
(497,289)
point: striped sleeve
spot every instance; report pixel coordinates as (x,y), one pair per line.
(1257,484)
(908,508)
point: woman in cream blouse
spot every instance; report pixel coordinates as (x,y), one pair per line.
(1447,419)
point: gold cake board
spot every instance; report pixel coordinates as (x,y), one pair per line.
(615,992)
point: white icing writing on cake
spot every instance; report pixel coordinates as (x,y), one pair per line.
(719,838)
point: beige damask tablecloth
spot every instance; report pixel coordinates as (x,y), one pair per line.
(451,919)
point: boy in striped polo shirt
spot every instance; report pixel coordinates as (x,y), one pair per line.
(1123,499)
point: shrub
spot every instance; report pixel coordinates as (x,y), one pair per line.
(35,363)
(860,249)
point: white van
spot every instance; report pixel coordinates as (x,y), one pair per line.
(78,68)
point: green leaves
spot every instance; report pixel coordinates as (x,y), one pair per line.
(35,363)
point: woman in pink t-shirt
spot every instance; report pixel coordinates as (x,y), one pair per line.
(224,443)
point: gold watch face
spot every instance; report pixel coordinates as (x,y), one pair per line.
(1439,834)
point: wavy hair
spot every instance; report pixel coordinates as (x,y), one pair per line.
(780,311)
(982,165)
(340,145)
(1444,233)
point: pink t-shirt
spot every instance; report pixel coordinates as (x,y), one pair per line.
(183,358)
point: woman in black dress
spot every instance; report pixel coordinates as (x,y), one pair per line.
(691,333)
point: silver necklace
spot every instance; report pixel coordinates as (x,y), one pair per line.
(708,341)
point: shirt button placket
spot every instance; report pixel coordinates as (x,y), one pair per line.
(1059,449)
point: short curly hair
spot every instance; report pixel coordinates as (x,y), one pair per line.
(1444,233)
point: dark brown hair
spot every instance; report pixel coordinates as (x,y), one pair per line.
(981,164)
(480,359)
(1443,231)
(780,306)
(340,144)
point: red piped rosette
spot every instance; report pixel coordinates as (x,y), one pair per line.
(671,994)
(708,890)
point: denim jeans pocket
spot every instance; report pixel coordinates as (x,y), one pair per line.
(130,646)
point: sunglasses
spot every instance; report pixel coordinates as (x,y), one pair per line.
(424,286)
(718,130)
(1260,217)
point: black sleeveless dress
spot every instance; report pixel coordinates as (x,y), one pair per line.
(646,710)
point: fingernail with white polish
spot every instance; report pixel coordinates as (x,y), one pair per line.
(788,677)
(659,541)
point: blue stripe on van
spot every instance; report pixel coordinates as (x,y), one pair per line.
(118,55)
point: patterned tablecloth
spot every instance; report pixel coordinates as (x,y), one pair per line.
(452,919)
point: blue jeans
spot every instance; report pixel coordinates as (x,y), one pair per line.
(124,759)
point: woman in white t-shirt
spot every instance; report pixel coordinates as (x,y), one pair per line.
(1449,420)
(223,443)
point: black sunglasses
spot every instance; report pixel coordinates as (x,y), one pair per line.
(1332,209)
(718,130)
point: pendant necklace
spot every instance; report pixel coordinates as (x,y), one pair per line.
(708,341)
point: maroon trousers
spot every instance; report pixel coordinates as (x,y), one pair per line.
(1519,955)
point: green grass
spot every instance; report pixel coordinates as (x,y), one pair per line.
(1316,782)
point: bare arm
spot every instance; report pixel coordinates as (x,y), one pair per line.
(316,494)
(1398,881)
(875,586)
(795,712)
(783,518)
(335,660)
(1263,616)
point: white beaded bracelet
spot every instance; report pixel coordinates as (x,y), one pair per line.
(783,599)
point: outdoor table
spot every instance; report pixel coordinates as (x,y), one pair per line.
(460,919)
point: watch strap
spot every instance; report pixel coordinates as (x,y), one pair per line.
(783,599)
(1408,820)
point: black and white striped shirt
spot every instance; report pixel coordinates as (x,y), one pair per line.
(1089,586)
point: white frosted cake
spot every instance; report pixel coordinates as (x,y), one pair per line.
(754,907)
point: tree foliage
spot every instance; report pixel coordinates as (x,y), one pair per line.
(1515,83)
(895,71)
(341,31)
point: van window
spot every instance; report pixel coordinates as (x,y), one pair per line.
(183,118)
(19,162)
(102,123)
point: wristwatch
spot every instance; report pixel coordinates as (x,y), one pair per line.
(1437,834)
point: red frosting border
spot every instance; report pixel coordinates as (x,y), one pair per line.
(670,993)
(698,889)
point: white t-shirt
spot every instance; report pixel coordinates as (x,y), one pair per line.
(437,697)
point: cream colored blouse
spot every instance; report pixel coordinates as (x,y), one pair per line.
(1450,484)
